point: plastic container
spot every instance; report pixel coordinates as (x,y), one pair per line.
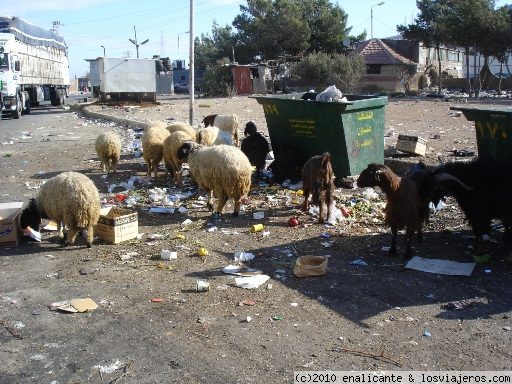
(307,266)
(352,131)
(493,126)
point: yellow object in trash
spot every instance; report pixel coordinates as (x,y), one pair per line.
(257,228)
(306,266)
(202,252)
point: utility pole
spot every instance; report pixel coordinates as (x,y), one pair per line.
(134,42)
(191,60)
(371,17)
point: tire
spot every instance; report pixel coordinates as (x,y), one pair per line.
(17,112)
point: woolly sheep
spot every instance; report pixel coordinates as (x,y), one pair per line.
(72,200)
(221,169)
(213,136)
(152,146)
(170,150)
(184,127)
(226,123)
(108,148)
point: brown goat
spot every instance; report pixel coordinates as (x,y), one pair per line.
(318,180)
(208,120)
(405,206)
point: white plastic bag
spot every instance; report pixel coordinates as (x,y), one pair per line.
(330,94)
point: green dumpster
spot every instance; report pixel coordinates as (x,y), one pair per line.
(493,126)
(352,131)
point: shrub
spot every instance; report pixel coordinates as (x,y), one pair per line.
(322,70)
(217,80)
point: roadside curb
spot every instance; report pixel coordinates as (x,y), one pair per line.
(119,120)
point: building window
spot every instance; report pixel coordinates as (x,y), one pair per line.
(373,69)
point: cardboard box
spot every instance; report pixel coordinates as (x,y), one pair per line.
(411,144)
(10,234)
(117,224)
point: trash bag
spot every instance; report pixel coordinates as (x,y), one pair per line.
(330,94)
(306,266)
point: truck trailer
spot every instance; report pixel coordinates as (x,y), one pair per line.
(34,66)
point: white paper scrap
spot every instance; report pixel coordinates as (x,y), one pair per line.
(443,267)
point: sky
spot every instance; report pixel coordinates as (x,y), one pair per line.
(87,25)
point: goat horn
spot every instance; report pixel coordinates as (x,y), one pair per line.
(442,177)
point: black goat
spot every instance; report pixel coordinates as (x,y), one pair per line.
(482,189)
(406,206)
(255,147)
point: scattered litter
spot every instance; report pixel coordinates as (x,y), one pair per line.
(239,271)
(248,302)
(155,236)
(182,209)
(187,222)
(463,153)
(427,333)
(110,368)
(258,215)
(128,255)
(165,254)
(326,244)
(331,94)
(257,228)
(277,318)
(294,304)
(265,233)
(36,235)
(293,222)
(161,210)
(359,262)
(506,328)
(202,286)
(443,267)
(463,304)
(74,305)
(213,228)
(202,252)
(306,266)
(157,300)
(241,256)
(248,319)
(251,282)
(51,226)
(482,259)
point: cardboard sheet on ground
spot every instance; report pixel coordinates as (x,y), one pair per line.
(443,267)
(74,305)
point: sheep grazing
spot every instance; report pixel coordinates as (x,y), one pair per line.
(318,180)
(170,150)
(405,208)
(152,146)
(108,148)
(72,200)
(226,123)
(221,169)
(213,136)
(184,127)
(482,191)
(255,147)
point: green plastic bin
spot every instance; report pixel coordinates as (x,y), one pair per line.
(352,131)
(493,126)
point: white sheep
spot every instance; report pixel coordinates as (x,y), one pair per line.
(185,127)
(108,148)
(226,123)
(72,200)
(221,169)
(152,146)
(213,136)
(170,149)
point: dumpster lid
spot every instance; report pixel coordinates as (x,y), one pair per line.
(486,108)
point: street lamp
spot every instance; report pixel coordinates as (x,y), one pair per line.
(103,50)
(134,42)
(371,17)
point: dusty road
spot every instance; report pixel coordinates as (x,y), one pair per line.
(366,313)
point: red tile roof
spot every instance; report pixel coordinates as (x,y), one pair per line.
(375,51)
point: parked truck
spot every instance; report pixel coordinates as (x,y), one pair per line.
(33,66)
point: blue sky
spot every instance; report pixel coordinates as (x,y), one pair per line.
(86,25)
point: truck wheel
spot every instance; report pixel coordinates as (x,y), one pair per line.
(17,112)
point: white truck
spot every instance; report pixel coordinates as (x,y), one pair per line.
(33,66)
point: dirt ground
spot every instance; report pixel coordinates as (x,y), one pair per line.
(366,313)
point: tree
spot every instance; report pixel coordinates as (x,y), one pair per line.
(328,25)
(220,45)
(429,27)
(272,28)
(465,22)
